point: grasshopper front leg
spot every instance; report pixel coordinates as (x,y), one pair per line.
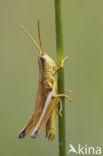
(26,129)
(62,64)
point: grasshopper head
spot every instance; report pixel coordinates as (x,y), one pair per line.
(46,62)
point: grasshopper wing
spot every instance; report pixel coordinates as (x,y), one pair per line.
(47,110)
(36,115)
(39,104)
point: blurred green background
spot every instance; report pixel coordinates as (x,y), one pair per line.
(83,42)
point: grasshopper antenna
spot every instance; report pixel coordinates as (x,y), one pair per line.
(31,38)
(40,37)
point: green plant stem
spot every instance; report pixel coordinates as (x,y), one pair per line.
(59,43)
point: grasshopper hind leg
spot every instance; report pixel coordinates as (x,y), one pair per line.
(51,123)
(51,126)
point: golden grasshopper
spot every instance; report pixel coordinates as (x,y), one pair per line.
(47,99)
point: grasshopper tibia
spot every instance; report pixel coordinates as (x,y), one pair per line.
(63,95)
(60,102)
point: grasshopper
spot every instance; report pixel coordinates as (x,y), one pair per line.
(47,99)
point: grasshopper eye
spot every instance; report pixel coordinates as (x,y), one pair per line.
(42,58)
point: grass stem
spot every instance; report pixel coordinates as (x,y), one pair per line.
(59,44)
